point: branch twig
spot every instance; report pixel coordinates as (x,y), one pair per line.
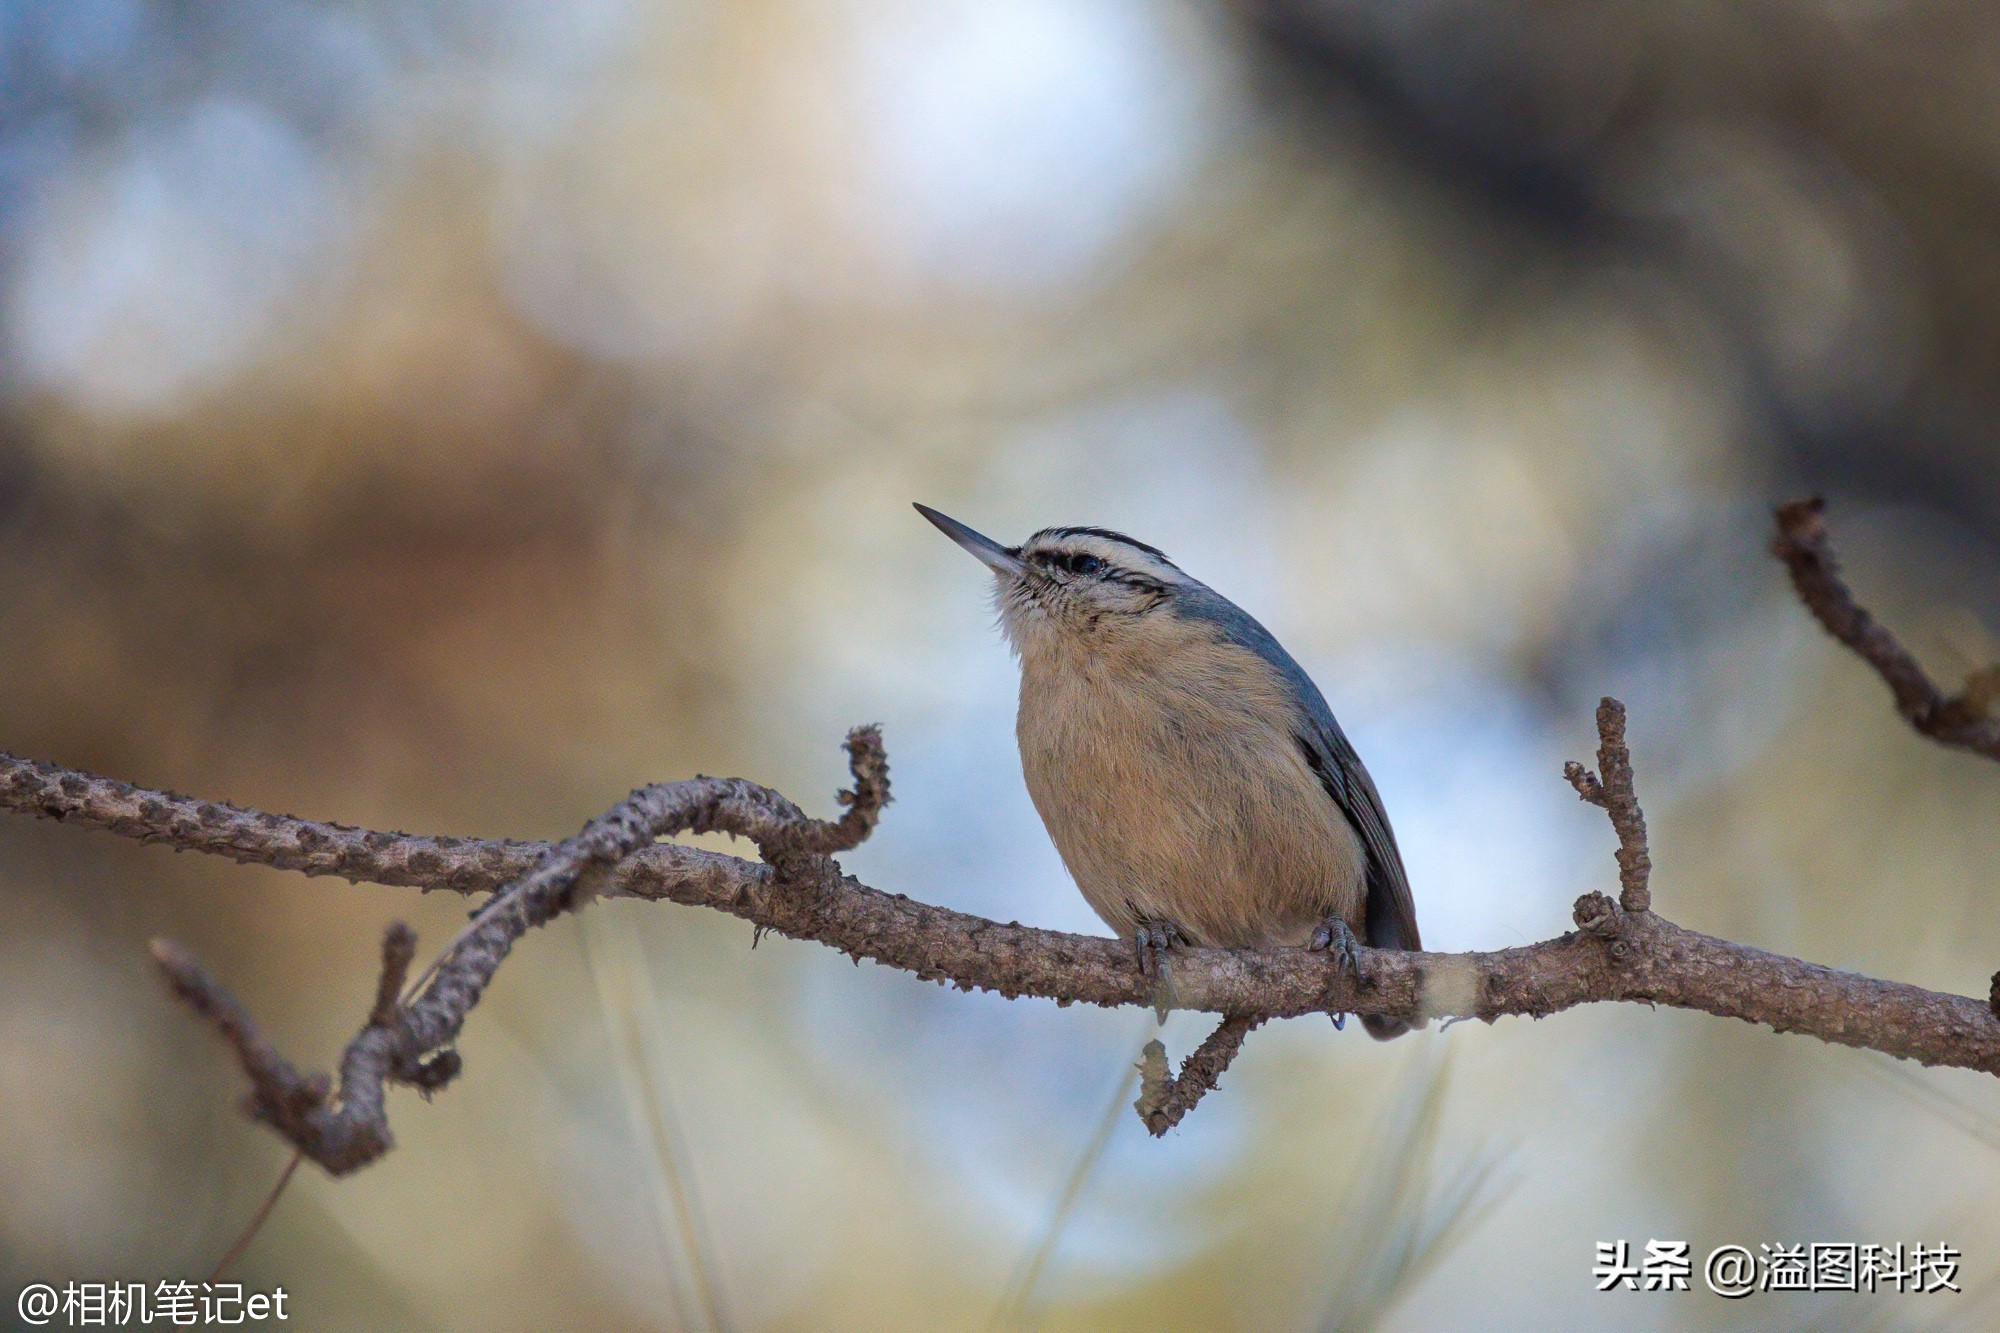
(409,1040)
(1615,794)
(1164,1098)
(1962,720)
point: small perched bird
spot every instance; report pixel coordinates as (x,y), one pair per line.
(1188,770)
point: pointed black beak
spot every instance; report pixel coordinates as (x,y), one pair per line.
(989,552)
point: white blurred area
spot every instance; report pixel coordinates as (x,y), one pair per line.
(664,182)
(497,405)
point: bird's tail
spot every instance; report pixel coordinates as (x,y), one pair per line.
(1390,929)
(1384,1028)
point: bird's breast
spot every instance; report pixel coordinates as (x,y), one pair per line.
(1175,789)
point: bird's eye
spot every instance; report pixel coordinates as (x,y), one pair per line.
(1084,564)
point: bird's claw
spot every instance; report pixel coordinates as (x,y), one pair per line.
(1153,940)
(1336,935)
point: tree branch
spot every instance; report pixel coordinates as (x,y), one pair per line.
(408,1040)
(1650,961)
(1615,794)
(1163,1098)
(1622,951)
(1963,720)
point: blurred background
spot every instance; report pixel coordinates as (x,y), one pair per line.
(449,414)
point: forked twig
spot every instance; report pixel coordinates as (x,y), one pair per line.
(1164,1098)
(1615,794)
(345,1126)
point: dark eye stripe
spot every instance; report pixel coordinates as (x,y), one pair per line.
(1084,564)
(1071,562)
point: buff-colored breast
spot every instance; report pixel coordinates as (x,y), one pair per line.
(1171,782)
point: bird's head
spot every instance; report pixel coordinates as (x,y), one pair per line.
(1073,584)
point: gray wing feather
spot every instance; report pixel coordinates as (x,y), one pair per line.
(1391,911)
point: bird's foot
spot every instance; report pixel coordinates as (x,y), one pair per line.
(1153,940)
(1336,935)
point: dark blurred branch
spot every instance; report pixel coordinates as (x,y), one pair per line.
(1621,951)
(1963,720)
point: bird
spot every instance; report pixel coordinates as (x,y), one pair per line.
(1191,775)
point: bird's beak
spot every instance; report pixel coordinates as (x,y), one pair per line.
(989,552)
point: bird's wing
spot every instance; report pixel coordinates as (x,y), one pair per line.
(1392,912)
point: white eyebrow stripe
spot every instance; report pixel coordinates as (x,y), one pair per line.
(1124,555)
(1056,535)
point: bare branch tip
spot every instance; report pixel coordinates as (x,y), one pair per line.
(1165,1099)
(192,983)
(399,944)
(399,947)
(868,763)
(1595,914)
(1980,692)
(1589,788)
(1801,526)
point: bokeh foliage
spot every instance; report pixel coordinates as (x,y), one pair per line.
(451,414)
